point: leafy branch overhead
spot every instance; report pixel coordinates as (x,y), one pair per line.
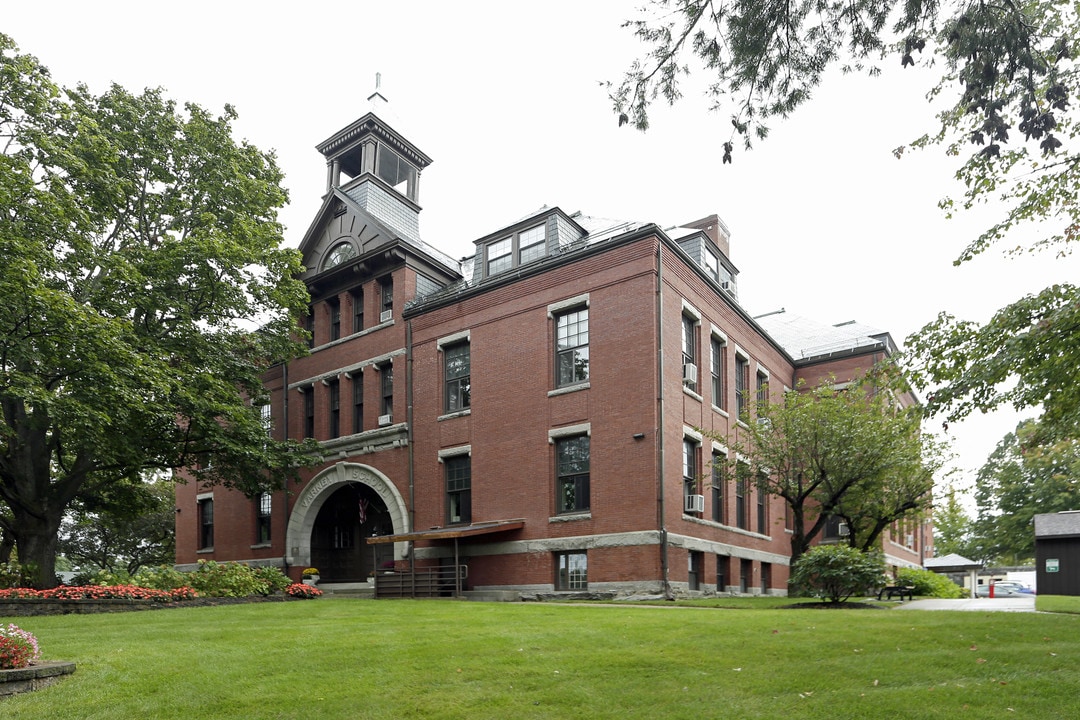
(1008,73)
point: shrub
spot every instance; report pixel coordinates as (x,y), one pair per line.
(214,579)
(161,577)
(303,592)
(18,648)
(929,583)
(836,572)
(272,578)
(10,575)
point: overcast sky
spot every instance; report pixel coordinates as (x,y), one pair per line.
(506,99)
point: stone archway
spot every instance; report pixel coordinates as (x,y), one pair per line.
(316,493)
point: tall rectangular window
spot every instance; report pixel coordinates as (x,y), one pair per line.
(689,352)
(572,347)
(742,386)
(334,406)
(742,496)
(722,570)
(762,389)
(718,478)
(458,489)
(334,307)
(718,399)
(572,473)
(309,327)
(500,256)
(571,571)
(762,508)
(386,298)
(690,473)
(386,383)
(266,419)
(309,411)
(456,372)
(262,519)
(206,523)
(357,296)
(357,403)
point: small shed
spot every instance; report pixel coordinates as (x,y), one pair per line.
(953,564)
(1057,553)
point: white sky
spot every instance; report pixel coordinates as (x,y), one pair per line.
(506,99)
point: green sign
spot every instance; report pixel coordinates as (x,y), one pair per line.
(1051,565)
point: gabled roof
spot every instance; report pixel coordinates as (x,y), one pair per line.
(370,232)
(951,563)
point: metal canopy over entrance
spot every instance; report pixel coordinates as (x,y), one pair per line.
(445,533)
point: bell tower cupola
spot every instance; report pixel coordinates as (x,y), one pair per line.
(377,168)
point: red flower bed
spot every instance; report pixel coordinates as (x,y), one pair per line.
(95,592)
(299,590)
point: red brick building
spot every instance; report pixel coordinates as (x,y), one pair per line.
(532,413)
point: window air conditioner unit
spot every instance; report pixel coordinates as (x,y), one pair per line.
(689,373)
(695,503)
(386,316)
(843,530)
(385,419)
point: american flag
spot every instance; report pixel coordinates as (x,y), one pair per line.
(363,504)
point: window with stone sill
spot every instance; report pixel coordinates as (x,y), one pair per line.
(572,471)
(456,375)
(572,347)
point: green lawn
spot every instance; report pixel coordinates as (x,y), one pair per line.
(1058,603)
(442,659)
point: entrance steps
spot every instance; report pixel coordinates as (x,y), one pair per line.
(349,590)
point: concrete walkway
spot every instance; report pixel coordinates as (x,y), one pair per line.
(1006,604)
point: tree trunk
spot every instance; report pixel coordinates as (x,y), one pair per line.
(36,543)
(7,544)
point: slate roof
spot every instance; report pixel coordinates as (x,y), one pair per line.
(806,339)
(1061,524)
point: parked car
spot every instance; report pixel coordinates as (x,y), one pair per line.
(1004,589)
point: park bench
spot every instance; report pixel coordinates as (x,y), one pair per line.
(891,591)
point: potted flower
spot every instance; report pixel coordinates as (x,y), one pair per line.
(311,576)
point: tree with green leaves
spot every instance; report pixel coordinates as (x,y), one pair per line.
(1009,76)
(953,527)
(137,240)
(132,526)
(851,452)
(1023,477)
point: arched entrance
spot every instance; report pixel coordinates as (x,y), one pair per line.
(336,512)
(349,515)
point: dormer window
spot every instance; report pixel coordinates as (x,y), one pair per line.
(339,254)
(517,249)
(500,256)
(712,264)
